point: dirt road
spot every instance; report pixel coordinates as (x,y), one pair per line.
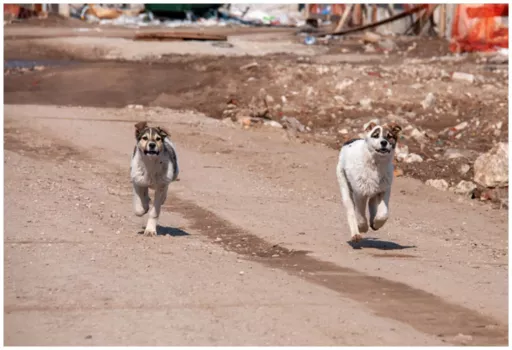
(252,248)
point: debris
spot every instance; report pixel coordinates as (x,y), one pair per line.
(439,184)
(461,126)
(429,101)
(293,124)
(419,136)
(464,187)
(464,168)
(401,152)
(413,158)
(454,153)
(397,172)
(249,66)
(470,78)
(135,106)
(309,40)
(371,38)
(241,273)
(344,84)
(272,123)
(387,44)
(366,103)
(180,36)
(491,168)
(91,230)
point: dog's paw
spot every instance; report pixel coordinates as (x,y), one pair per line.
(378,223)
(356,238)
(362,227)
(140,211)
(149,233)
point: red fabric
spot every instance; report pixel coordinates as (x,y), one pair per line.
(476,28)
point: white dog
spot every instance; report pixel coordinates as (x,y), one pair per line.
(365,175)
(154,165)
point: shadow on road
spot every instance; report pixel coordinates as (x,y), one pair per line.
(371,242)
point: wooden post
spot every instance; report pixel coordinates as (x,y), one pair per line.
(442,21)
(344,17)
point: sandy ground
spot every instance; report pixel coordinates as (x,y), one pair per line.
(252,248)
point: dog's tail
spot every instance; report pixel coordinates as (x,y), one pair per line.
(173,156)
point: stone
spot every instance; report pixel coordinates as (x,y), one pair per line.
(370,37)
(401,152)
(413,158)
(463,339)
(491,168)
(470,78)
(439,184)
(293,124)
(464,187)
(464,168)
(387,44)
(272,123)
(418,136)
(366,103)
(429,101)
(269,99)
(249,65)
(342,85)
(454,153)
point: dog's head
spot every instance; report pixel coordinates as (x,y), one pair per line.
(381,139)
(150,140)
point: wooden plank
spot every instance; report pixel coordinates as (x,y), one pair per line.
(344,18)
(170,36)
(442,21)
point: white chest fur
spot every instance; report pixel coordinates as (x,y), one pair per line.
(151,171)
(366,173)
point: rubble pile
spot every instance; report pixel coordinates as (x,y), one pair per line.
(451,115)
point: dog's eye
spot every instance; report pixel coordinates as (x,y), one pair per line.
(145,138)
(375,135)
(158,139)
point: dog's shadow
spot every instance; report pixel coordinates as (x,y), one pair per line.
(168,231)
(375,243)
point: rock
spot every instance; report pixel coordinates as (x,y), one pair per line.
(413,158)
(429,101)
(470,78)
(272,123)
(250,65)
(343,131)
(464,168)
(366,103)
(418,136)
(454,153)
(464,187)
(439,184)
(491,168)
(91,230)
(135,106)
(387,44)
(293,124)
(344,84)
(461,126)
(369,48)
(417,86)
(269,99)
(401,152)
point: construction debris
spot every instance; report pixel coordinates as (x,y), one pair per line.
(179,36)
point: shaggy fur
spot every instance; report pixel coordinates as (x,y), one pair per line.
(365,175)
(154,165)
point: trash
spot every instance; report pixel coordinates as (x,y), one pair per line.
(439,184)
(309,40)
(491,168)
(470,78)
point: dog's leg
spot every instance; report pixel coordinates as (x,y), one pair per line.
(154,213)
(379,211)
(360,203)
(346,197)
(140,200)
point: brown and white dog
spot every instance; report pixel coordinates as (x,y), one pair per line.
(365,175)
(154,165)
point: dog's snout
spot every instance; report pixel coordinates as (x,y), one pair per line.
(152,145)
(383,143)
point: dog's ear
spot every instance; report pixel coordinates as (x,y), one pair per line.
(139,127)
(163,132)
(369,126)
(395,128)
